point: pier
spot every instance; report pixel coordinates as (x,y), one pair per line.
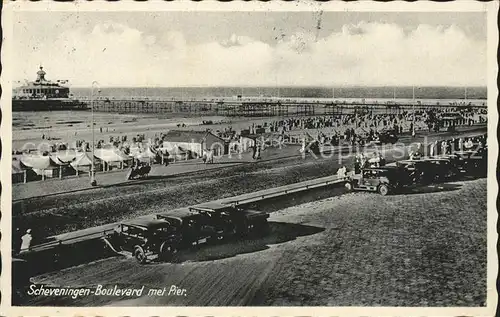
(260,107)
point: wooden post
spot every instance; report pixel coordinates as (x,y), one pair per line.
(43,174)
(25,174)
(76,169)
(60,172)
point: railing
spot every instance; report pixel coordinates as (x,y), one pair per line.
(294,189)
(56,243)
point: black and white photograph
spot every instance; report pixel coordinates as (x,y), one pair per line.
(310,155)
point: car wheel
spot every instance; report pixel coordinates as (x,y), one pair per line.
(383,190)
(167,251)
(348,186)
(140,255)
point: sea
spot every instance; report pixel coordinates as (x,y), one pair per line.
(288,92)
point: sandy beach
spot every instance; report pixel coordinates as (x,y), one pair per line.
(68,126)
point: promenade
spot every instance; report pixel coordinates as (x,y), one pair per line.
(69,184)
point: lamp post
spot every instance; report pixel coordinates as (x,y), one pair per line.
(93,181)
(413,116)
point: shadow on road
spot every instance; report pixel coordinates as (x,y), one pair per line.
(279,232)
(435,188)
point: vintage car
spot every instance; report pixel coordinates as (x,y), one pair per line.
(442,168)
(471,161)
(419,171)
(193,228)
(145,238)
(383,180)
(236,220)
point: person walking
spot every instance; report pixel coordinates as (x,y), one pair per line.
(444,147)
(357,165)
(341,172)
(26,240)
(432,149)
(204,157)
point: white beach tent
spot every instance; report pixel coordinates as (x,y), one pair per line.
(111,155)
(66,156)
(147,155)
(41,165)
(135,149)
(82,162)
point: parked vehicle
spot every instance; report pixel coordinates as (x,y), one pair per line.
(442,168)
(139,172)
(384,180)
(234,219)
(145,238)
(419,171)
(471,161)
(193,228)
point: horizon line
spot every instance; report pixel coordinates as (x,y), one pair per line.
(277,87)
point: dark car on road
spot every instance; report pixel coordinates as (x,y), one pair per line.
(473,161)
(442,169)
(145,238)
(420,171)
(234,219)
(193,228)
(384,180)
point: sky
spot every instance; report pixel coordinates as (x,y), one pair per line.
(170,49)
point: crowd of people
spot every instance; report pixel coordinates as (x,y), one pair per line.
(352,127)
(418,151)
(449,146)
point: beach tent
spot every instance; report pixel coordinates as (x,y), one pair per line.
(82,162)
(66,156)
(18,173)
(134,151)
(38,162)
(21,174)
(112,155)
(146,155)
(41,165)
(82,159)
